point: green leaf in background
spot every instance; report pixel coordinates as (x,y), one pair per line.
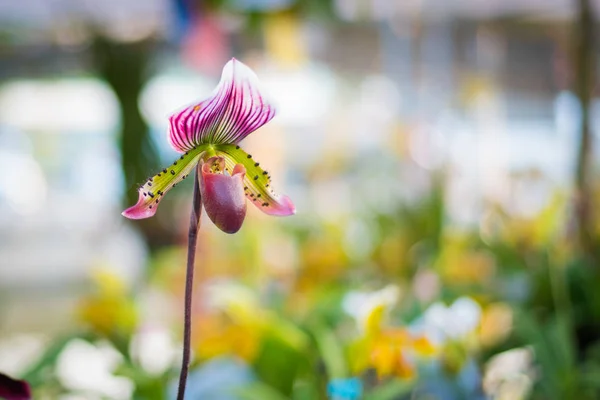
(259,391)
(391,391)
(38,373)
(306,390)
(278,364)
(331,352)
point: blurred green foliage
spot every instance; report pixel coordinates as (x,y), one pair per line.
(297,335)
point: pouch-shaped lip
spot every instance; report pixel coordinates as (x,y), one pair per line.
(223,195)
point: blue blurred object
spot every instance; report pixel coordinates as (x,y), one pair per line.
(344,389)
(436,383)
(217,379)
(183,12)
(262,5)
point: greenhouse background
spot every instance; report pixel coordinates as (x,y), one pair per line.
(442,156)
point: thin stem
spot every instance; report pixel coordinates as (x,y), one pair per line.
(585,67)
(189,285)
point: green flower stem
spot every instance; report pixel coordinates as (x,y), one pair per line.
(189,284)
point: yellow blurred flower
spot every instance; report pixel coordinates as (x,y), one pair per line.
(109,310)
(496,323)
(284,39)
(323,260)
(392,255)
(476,89)
(216,335)
(235,324)
(391,351)
(459,264)
(543,230)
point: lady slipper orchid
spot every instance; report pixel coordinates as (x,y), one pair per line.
(207,134)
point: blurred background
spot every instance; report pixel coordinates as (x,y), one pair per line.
(442,156)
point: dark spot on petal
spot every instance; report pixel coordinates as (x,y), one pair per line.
(156,201)
(158,175)
(175,163)
(255,177)
(149,183)
(265,204)
(150,194)
(267,185)
(172,172)
(252,195)
(256,164)
(245,187)
(265,172)
(150,207)
(258,195)
(183,177)
(145,194)
(181,158)
(237,147)
(249,156)
(165,170)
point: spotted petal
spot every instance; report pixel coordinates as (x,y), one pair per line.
(257,181)
(152,191)
(235,109)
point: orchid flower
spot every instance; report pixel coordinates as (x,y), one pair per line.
(207,134)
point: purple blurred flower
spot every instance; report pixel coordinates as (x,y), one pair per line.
(12,389)
(207,133)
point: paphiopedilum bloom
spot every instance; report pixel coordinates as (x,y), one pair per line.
(208,133)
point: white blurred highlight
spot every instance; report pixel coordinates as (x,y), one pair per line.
(19,352)
(440,322)
(25,188)
(360,304)
(509,375)
(154,349)
(87,368)
(165,94)
(66,105)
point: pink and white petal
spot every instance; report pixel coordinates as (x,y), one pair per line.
(235,109)
(152,192)
(257,182)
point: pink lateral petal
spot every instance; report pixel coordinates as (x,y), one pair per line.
(153,190)
(279,205)
(257,182)
(234,110)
